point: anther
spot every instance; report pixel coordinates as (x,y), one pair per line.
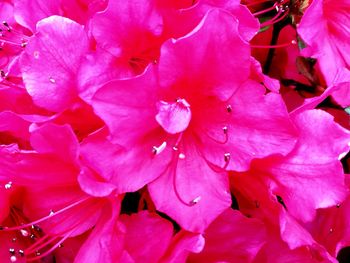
(229,108)
(227,157)
(196,200)
(7,26)
(8,185)
(157,150)
(24,232)
(52,80)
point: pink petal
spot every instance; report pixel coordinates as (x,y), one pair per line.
(51,60)
(174,117)
(231,238)
(191,192)
(208,71)
(147,236)
(55,139)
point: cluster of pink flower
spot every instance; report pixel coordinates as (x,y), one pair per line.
(174,130)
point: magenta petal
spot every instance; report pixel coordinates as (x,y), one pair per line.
(182,244)
(136,26)
(91,184)
(174,117)
(55,139)
(111,162)
(51,60)
(106,241)
(128,107)
(309,182)
(29,12)
(191,193)
(232,238)
(207,71)
(148,236)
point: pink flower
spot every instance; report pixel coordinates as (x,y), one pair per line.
(297,180)
(51,199)
(326,40)
(189,119)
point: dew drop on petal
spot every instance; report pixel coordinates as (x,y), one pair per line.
(182,156)
(52,80)
(13,258)
(36,54)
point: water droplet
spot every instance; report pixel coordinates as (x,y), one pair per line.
(182,156)
(8,185)
(225,129)
(24,232)
(229,108)
(52,80)
(14,239)
(21,252)
(60,245)
(338,205)
(36,54)
(12,251)
(37,253)
(32,236)
(13,258)
(175,148)
(51,212)
(331,230)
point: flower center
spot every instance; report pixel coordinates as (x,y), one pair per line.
(174,117)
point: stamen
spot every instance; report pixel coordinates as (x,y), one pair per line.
(191,203)
(39,256)
(258,2)
(8,28)
(277,18)
(266,10)
(21,227)
(293,42)
(157,150)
